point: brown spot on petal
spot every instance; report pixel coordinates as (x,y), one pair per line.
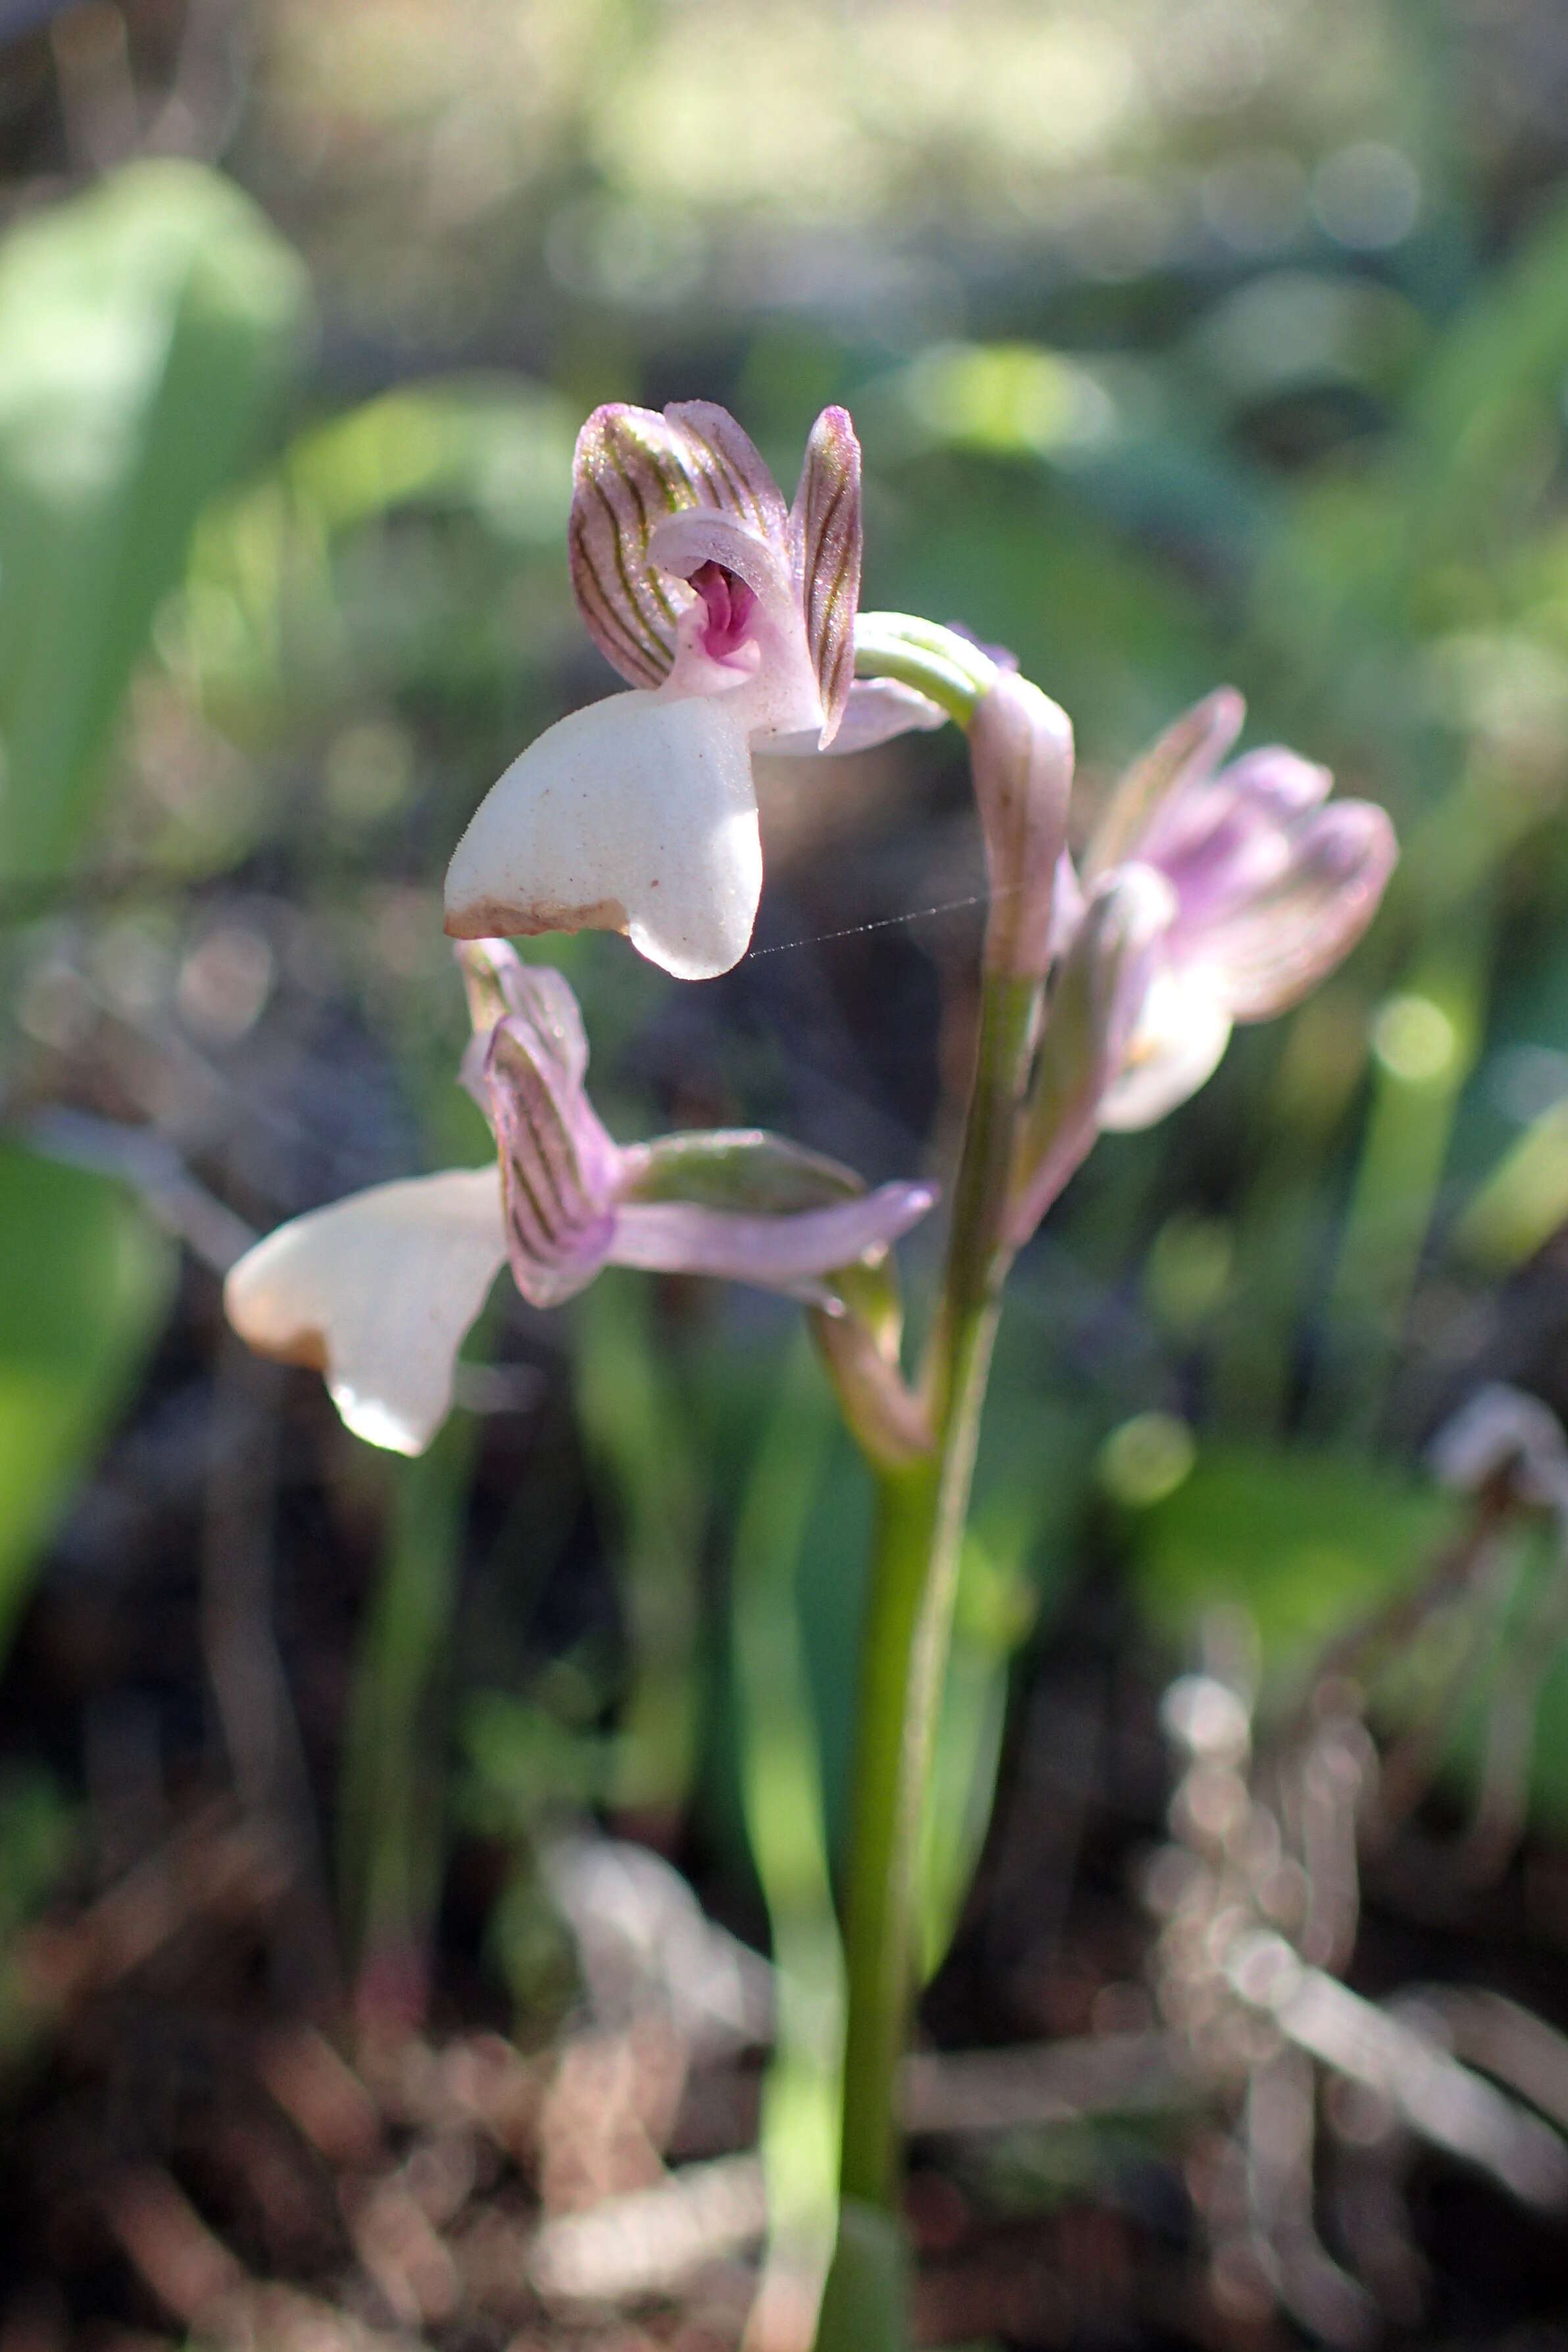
(307,1347)
(485,919)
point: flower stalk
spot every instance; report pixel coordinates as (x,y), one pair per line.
(921,1512)
(923,1504)
(1228,894)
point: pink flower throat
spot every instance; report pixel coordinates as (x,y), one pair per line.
(728,601)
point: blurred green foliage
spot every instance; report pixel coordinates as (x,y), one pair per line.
(146,330)
(84,1284)
(1305,1543)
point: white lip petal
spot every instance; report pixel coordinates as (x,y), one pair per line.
(636,814)
(377,1292)
(1176,1047)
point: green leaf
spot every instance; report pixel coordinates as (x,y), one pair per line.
(962,1788)
(84,1281)
(1305,1541)
(780,1783)
(642,1449)
(1018,1554)
(831,1594)
(390,1799)
(1523,1202)
(1015,1557)
(144,330)
(1500,362)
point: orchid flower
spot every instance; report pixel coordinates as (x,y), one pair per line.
(731,617)
(378,1291)
(1210,894)
(1271,890)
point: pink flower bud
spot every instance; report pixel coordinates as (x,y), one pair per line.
(1021,748)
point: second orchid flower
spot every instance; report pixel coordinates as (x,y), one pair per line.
(378,1291)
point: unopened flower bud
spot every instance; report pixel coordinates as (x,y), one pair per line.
(1098,995)
(1021,746)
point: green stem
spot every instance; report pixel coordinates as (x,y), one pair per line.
(914,1579)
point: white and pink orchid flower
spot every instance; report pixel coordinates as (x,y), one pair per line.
(378,1291)
(731,617)
(1271,888)
(1210,894)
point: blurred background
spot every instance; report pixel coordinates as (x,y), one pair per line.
(404,1867)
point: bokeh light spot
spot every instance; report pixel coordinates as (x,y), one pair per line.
(1146,1459)
(1414,1039)
(1367,196)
